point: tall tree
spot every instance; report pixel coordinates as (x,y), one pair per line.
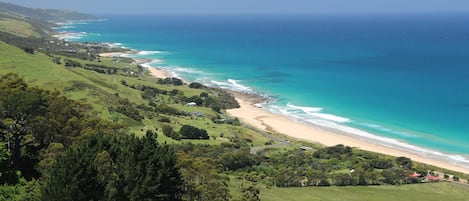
(20,109)
(101,167)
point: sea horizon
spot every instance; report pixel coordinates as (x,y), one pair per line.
(393,81)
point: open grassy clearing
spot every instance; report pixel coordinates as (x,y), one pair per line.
(428,192)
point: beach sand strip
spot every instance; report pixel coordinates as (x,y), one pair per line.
(261,119)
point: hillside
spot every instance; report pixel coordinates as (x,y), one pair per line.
(49,15)
(103,129)
(228,144)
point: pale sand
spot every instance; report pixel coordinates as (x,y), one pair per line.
(111,54)
(158,73)
(264,120)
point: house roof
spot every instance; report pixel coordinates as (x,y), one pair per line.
(415,174)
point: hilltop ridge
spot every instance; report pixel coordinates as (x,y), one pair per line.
(48,15)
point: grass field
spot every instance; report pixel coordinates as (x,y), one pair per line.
(425,192)
(18,28)
(39,70)
(97,89)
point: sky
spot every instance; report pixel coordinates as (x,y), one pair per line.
(249,6)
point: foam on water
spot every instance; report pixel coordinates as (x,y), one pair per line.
(314,115)
(311,115)
(305,109)
(145,53)
(70,36)
(348,125)
(236,84)
(152,64)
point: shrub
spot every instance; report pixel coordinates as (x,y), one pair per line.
(164,119)
(191,132)
(196,85)
(168,131)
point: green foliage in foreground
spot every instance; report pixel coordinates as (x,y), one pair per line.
(115,168)
(233,163)
(427,192)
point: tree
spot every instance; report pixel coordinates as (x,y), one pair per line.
(107,175)
(31,119)
(287,177)
(237,160)
(404,162)
(196,85)
(7,174)
(122,167)
(48,158)
(251,193)
(342,179)
(204,95)
(315,177)
(192,132)
(20,110)
(29,50)
(168,131)
(202,180)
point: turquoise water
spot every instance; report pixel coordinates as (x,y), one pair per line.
(399,81)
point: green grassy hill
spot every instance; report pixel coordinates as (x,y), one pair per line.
(45,15)
(130,99)
(103,91)
(427,192)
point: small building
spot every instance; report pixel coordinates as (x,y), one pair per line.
(191,104)
(430,178)
(198,114)
(415,175)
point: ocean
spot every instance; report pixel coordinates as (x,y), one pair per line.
(397,80)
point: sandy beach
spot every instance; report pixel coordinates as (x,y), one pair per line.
(155,72)
(111,54)
(264,120)
(158,73)
(261,119)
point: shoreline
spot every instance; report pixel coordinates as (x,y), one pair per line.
(158,72)
(252,114)
(264,120)
(153,71)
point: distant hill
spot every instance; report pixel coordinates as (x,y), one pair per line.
(50,15)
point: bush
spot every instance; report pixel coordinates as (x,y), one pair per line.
(165,109)
(191,132)
(164,119)
(168,131)
(123,82)
(172,80)
(29,50)
(196,85)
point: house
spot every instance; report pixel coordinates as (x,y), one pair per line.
(191,104)
(430,178)
(415,175)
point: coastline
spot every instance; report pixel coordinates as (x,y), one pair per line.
(259,118)
(158,73)
(270,122)
(262,119)
(153,71)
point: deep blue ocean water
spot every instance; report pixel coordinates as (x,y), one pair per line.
(397,80)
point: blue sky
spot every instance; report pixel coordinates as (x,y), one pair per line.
(250,6)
